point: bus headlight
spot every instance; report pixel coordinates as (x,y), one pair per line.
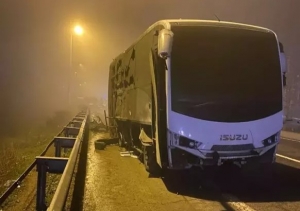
(177,140)
(192,144)
(186,142)
(271,140)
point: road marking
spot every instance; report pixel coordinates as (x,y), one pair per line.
(288,158)
(289,139)
(236,203)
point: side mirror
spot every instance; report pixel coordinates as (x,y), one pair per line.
(165,40)
(283,62)
(284,79)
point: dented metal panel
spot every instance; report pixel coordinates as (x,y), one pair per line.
(130,83)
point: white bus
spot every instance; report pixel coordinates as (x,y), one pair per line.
(199,93)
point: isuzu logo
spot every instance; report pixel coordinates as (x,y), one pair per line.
(236,137)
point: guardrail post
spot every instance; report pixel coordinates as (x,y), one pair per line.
(55,165)
(63,142)
(41,186)
(57,148)
(45,165)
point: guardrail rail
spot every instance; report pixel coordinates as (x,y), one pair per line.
(71,136)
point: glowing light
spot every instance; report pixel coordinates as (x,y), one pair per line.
(78,30)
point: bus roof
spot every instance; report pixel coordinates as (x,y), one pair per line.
(167,24)
(209,22)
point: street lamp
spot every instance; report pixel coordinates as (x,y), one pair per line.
(77,30)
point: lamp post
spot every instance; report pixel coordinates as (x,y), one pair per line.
(77,30)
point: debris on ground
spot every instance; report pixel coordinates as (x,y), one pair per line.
(128,154)
(103,139)
(108,141)
(97,124)
(100,145)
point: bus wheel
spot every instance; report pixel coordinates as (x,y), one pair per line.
(150,161)
(121,140)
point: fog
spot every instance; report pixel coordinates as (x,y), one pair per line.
(35,44)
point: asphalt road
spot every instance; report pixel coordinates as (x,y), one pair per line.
(277,189)
(120,183)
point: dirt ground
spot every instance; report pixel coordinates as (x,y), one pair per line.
(24,198)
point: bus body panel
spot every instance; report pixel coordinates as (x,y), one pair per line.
(139,92)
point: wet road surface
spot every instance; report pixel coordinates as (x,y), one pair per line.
(121,183)
(117,183)
(278,189)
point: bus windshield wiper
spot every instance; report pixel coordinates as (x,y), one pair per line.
(196,103)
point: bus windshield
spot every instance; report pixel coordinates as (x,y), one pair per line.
(225,74)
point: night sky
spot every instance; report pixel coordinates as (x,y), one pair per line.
(35,42)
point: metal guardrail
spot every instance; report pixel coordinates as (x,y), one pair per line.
(60,196)
(71,136)
(10,190)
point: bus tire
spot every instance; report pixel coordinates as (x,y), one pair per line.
(149,160)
